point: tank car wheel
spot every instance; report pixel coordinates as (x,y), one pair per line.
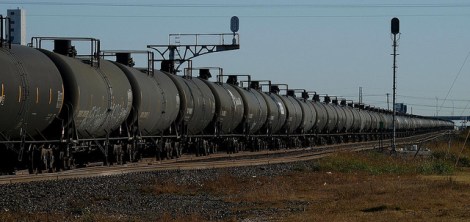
(168,150)
(36,159)
(158,150)
(205,146)
(216,147)
(65,163)
(178,150)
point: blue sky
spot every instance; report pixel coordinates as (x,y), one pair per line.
(332,46)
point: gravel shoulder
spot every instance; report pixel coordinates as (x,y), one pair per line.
(133,196)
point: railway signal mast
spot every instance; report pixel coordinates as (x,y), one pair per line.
(184,47)
(395,29)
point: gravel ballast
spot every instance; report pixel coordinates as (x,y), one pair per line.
(125,196)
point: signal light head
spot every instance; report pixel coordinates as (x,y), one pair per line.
(395,26)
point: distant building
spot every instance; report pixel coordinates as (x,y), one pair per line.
(400,107)
(17,26)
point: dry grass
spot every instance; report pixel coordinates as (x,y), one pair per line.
(355,187)
(337,196)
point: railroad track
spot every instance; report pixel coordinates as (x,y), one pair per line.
(219,160)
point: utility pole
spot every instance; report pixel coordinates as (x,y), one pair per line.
(437,102)
(360,94)
(388,103)
(395,29)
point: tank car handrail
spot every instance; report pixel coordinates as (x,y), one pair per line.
(316,97)
(346,101)
(1,30)
(5,22)
(278,89)
(220,78)
(326,98)
(190,70)
(150,57)
(95,46)
(304,92)
(261,88)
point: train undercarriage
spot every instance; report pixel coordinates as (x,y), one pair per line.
(53,156)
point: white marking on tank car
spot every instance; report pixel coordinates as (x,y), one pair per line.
(177,100)
(144,115)
(281,108)
(189,111)
(60,99)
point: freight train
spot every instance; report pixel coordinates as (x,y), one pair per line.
(60,109)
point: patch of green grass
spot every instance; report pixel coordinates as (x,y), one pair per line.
(437,166)
(463,160)
(376,163)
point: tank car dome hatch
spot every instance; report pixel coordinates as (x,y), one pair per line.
(205,74)
(99,99)
(31,91)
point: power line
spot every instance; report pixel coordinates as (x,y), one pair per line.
(202,5)
(242,16)
(429,98)
(455,79)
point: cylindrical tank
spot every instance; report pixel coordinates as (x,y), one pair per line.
(31,93)
(256,109)
(406,122)
(197,103)
(356,126)
(341,126)
(389,122)
(349,118)
(365,120)
(155,104)
(321,116)
(382,120)
(375,120)
(272,123)
(277,110)
(229,107)
(294,113)
(309,116)
(98,99)
(332,118)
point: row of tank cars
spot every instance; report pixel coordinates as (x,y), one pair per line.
(59,109)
